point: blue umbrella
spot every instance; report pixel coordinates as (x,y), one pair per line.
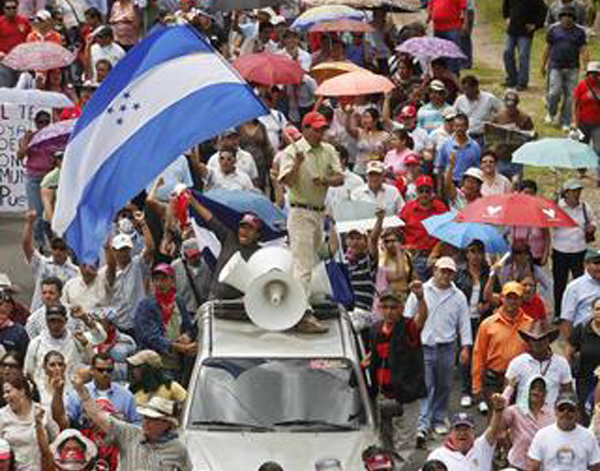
(556,152)
(229,205)
(461,234)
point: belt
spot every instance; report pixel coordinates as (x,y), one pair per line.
(307,206)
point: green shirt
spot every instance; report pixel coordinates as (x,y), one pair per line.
(51,179)
(320,161)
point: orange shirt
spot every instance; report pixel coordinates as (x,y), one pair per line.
(51,36)
(498,342)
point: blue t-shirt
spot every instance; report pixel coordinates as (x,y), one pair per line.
(565,45)
(466,157)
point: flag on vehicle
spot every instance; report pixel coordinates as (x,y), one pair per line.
(171,92)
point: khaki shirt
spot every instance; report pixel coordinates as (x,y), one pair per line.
(321,161)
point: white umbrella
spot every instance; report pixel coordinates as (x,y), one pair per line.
(34,97)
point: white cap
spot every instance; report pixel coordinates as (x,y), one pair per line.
(277,20)
(43,15)
(121,241)
(375,166)
(473,172)
(446,262)
(593,66)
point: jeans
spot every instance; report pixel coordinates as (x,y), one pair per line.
(562,264)
(466,44)
(34,197)
(453,35)
(561,83)
(439,361)
(388,409)
(465,370)
(516,76)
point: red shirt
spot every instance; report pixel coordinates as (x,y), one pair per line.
(447,15)
(415,235)
(50,36)
(535,308)
(13,32)
(589,105)
(70,113)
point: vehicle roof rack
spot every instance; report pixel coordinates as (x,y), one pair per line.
(233,309)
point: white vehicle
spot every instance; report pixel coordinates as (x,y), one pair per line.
(258,396)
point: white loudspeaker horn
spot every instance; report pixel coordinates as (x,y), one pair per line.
(275,300)
(271,258)
(236,273)
(319,281)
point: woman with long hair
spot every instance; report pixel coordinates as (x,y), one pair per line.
(369,134)
(18,424)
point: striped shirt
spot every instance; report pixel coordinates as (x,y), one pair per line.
(167,454)
(362,279)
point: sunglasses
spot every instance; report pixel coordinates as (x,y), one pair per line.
(424,189)
(10,365)
(566,408)
(105,370)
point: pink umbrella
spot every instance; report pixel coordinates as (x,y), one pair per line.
(361,82)
(38,56)
(53,138)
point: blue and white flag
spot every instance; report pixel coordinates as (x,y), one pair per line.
(169,93)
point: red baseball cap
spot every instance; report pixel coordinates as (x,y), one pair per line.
(165,269)
(408,111)
(252,220)
(379,462)
(412,159)
(314,120)
(424,180)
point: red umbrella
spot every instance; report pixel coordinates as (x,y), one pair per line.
(515,209)
(352,26)
(269,69)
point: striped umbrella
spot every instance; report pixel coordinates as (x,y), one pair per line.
(324,13)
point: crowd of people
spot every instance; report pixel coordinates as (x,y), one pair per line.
(94,367)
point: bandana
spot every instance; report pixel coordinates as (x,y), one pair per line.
(166,302)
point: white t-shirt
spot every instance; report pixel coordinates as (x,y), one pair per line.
(555,371)
(558,450)
(233,181)
(113,53)
(244,162)
(479,457)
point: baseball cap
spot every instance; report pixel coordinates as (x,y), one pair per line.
(593,66)
(375,166)
(43,15)
(159,408)
(190,248)
(378,462)
(145,357)
(163,268)
(462,418)
(513,287)
(390,294)
(473,172)
(4,450)
(58,310)
(592,255)
(252,220)
(437,85)
(572,185)
(449,113)
(566,398)
(328,464)
(446,262)
(412,158)
(230,132)
(424,180)
(277,20)
(408,111)
(567,10)
(315,120)
(120,241)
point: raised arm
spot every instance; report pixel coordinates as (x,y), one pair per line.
(27,241)
(416,287)
(495,426)
(93,412)
(376,232)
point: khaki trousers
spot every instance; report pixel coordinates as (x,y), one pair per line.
(305,234)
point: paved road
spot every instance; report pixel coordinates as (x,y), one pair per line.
(12,261)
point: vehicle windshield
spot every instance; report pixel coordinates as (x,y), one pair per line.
(278,394)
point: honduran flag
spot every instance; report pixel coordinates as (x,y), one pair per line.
(171,92)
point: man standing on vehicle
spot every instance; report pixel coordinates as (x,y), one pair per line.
(308,168)
(447,314)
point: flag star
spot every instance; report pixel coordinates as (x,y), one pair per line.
(120,121)
(110,110)
(136,106)
(126,95)
(123,107)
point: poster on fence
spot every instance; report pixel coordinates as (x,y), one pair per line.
(15,120)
